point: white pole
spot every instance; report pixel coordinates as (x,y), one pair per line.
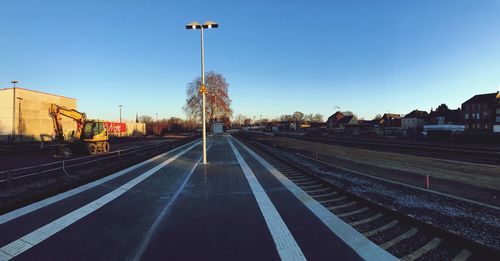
(204,133)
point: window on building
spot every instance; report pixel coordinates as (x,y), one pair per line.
(485,115)
(498,119)
(477,115)
(466,116)
(498,111)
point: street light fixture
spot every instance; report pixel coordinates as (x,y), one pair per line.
(20,125)
(203,90)
(120,127)
(13,110)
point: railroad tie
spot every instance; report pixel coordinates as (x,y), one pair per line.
(305,183)
(463,255)
(357,211)
(348,204)
(366,220)
(328,195)
(435,242)
(312,186)
(381,229)
(300,179)
(318,190)
(412,231)
(326,201)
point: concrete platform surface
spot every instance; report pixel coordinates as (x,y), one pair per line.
(172,207)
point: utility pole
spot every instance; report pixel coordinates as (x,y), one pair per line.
(120,106)
(13,134)
(203,89)
(19,126)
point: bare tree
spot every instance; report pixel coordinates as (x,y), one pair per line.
(145,119)
(218,103)
(239,120)
(317,118)
(347,113)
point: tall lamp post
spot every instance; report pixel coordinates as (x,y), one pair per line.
(19,127)
(203,89)
(13,110)
(120,128)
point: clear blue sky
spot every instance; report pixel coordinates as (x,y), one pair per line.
(369,56)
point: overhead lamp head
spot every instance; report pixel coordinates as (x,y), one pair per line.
(193,25)
(210,24)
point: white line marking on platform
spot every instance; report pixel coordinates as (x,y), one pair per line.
(287,247)
(46,202)
(360,244)
(24,243)
(156,224)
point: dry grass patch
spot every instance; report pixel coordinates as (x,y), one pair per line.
(478,175)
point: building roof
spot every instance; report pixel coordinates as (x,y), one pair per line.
(368,122)
(417,114)
(336,115)
(46,93)
(346,119)
(391,115)
(487,97)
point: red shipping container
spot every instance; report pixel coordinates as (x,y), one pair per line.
(115,127)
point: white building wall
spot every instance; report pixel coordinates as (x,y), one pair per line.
(32,118)
(134,128)
(5,113)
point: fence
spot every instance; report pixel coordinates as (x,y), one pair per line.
(9,178)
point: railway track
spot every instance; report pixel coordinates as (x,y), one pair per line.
(466,154)
(23,186)
(401,235)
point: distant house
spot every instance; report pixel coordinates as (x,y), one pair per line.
(481,113)
(368,123)
(413,123)
(444,123)
(334,119)
(445,117)
(318,126)
(340,121)
(389,120)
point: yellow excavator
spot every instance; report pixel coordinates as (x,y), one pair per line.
(90,135)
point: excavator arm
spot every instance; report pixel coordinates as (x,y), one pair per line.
(56,111)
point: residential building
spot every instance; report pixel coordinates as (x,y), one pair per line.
(445,116)
(413,123)
(340,121)
(444,123)
(334,119)
(390,120)
(481,113)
